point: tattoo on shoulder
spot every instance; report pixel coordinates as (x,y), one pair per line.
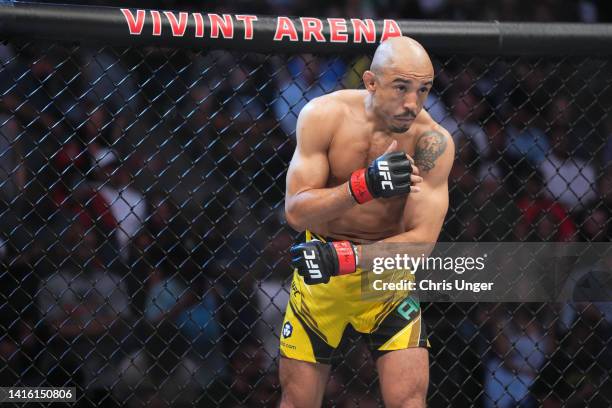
(430,145)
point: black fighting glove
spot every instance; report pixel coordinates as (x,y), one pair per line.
(387,176)
(317,261)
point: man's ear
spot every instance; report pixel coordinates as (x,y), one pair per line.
(369,80)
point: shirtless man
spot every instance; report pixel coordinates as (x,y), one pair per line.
(352,182)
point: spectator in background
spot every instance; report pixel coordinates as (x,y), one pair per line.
(244,104)
(27,82)
(108,80)
(182,354)
(127,205)
(176,245)
(494,164)
(462,189)
(191,308)
(96,127)
(580,134)
(241,307)
(560,112)
(542,218)
(568,179)
(525,139)
(490,210)
(521,345)
(307,78)
(463,124)
(179,327)
(196,112)
(496,208)
(76,199)
(85,307)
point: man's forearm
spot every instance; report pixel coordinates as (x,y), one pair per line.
(417,235)
(413,243)
(319,205)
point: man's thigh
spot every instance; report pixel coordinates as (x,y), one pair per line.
(404,377)
(303,383)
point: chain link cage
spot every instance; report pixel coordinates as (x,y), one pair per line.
(143,247)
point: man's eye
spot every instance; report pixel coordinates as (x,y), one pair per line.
(423,90)
(401,88)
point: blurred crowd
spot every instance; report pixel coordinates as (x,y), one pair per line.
(142,239)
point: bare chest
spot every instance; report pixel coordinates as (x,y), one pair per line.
(354,148)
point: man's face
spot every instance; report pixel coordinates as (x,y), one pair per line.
(399,97)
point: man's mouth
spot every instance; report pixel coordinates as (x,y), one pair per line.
(405,118)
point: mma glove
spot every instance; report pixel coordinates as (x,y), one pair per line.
(318,261)
(387,176)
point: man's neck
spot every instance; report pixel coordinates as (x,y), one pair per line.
(373,119)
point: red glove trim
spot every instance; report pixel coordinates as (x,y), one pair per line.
(346,257)
(359,187)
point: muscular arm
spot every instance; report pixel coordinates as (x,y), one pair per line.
(424,213)
(307,201)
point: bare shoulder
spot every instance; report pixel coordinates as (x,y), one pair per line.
(434,146)
(318,121)
(322,116)
(326,110)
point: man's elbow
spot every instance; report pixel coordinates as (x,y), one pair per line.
(293,218)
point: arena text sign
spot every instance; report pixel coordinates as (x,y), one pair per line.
(225,26)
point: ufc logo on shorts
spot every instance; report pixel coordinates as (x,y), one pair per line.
(383,170)
(313,268)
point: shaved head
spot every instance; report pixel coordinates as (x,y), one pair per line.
(398,82)
(402,53)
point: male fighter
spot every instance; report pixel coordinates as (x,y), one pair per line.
(353,182)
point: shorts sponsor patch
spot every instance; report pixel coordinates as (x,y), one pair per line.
(289,346)
(409,309)
(287,330)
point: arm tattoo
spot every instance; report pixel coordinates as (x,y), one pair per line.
(430,145)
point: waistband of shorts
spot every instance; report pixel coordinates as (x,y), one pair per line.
(307,235)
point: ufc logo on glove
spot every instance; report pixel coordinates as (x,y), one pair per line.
(383,170)
(313,268)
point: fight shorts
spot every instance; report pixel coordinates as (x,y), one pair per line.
(319,317)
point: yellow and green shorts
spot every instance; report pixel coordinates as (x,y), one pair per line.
(319,317)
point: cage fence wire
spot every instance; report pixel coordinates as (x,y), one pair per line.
(143,247)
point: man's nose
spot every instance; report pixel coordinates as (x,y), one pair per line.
(411,102)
